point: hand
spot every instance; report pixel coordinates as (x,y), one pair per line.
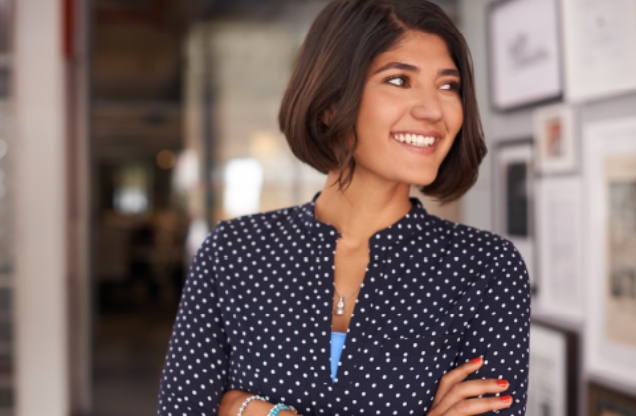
(456,397)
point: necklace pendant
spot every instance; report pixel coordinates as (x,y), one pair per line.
(340,306)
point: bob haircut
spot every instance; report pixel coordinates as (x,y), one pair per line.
(330,74)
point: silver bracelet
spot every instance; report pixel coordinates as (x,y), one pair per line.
(247,401)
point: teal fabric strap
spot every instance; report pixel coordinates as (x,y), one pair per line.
(337,344)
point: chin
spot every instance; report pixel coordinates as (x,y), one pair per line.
(422,180)
(420,185)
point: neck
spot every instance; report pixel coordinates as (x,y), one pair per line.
(363,208)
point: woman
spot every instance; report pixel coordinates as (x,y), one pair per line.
(433,315)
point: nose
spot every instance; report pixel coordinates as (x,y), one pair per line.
(427,106)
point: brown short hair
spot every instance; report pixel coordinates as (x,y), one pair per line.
(330,74)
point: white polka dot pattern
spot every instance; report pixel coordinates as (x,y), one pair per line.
(255,315)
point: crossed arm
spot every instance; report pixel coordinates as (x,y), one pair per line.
(455,396)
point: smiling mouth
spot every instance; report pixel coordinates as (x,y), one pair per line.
(415,139)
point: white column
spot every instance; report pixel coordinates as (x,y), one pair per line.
(41,320)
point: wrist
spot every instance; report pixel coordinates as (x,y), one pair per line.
(246,402)
(232,401)
(282,409)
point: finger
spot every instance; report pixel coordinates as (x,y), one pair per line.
(456,375)
(466,390)
(478,406)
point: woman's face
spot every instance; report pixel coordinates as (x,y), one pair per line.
(410,111)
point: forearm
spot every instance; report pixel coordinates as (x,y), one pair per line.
(233,399)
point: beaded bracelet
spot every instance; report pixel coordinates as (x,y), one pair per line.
(247,401)
(280,407)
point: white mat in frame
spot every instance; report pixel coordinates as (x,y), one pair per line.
(556,149)
(610,260)
(599,48)
(553,359)
(559,246)
(525,52)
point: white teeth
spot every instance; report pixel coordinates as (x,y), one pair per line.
(415,139)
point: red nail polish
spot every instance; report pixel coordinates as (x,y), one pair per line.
(506,398)
(502,383)
(475,360)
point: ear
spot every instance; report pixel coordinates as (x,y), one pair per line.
(328,115)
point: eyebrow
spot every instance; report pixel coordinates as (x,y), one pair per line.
(413,68)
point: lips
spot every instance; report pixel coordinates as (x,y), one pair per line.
(424,140)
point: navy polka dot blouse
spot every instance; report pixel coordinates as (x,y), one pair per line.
(256,316)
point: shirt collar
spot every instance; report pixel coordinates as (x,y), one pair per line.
(410,223)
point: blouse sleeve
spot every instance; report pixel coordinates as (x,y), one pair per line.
(500,330)
(195,372)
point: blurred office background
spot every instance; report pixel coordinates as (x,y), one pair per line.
(128,128)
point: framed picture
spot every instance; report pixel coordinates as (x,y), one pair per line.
(610,183)
(559,245)
(524,47)
(5,26)
(552,386)
(600,48)
(603,401)
(514,199)
(555,145)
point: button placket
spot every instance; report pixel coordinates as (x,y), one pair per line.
(364,312)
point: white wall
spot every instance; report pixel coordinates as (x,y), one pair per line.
(41,346)
(476,206)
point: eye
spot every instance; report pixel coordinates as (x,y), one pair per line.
(398,81)
(451,86)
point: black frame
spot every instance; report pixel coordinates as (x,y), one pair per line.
(572,364)
(499,203)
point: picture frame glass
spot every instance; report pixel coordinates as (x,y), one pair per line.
(525,53)
(610,182)
(604,401)
(514,198)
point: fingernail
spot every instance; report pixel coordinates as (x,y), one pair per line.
(505,398)
(502,383)
(475,360)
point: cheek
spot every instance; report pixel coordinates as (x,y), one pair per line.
(459,115)
(366,110)
(378,110)
(454,115)
(460,118)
